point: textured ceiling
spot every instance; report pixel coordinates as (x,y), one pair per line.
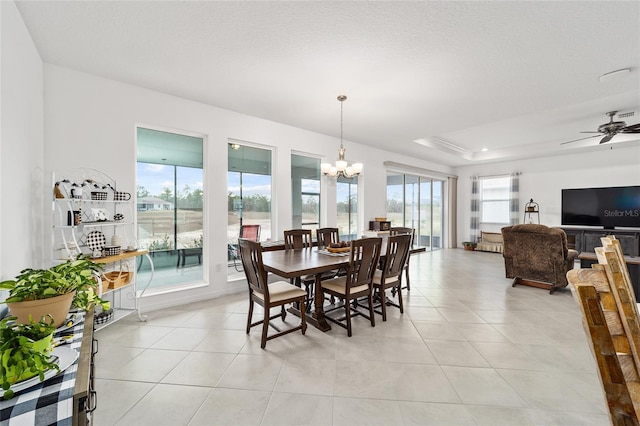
(518,78)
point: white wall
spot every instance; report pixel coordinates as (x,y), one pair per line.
(543,179)
(21,147)
(91,121)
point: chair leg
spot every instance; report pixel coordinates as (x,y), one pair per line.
(383,303)
(400,304)
(406,274)
(303,317)
(250,316)
(347,308)
(265,327)
(283,312)
(371,314)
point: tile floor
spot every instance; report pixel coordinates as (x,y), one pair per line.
(469,350)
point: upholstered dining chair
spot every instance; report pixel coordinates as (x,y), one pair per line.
(267,295)
(403,230)
(390,276)
(357,283)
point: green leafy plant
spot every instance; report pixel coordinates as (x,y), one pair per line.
(164,244)
(73,275)
(20,358)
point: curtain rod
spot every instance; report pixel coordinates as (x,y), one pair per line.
(420,170)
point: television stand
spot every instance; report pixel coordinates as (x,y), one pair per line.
(587,239)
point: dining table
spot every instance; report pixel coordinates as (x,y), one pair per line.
(311,261)
(306,261)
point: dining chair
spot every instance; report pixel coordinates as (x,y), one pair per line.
(390,276)
(296,239)
(268,295)
(357,283)
(325,236)
(403,230)
(248,232)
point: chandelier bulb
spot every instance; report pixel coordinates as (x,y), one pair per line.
(342,167)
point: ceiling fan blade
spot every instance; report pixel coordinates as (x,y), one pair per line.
(634,128)
(607,138)
(592,132)
(576,140)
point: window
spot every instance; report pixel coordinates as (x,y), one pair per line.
(170,201)
(248,195)
(347,206)
(494,199)
(305,192)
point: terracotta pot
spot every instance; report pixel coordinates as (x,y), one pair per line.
(57,306)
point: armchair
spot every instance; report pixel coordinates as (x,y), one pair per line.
(537,256)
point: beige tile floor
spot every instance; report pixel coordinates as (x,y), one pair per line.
(469,350)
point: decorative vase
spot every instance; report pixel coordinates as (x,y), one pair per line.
(58,307)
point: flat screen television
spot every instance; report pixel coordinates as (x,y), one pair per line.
(607,207)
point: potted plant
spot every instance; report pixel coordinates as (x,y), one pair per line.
(39,292)
(25,351)
(468,245)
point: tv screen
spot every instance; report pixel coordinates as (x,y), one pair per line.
(608,207)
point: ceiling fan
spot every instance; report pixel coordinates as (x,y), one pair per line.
(610,129)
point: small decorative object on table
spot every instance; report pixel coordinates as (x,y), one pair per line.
(103,317)
(98,195)
(111,250)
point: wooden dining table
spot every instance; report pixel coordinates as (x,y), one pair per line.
(307,261)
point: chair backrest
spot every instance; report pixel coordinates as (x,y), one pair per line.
(536,252)
(251,255)
(396,256)
(297,239)
(363,261)
(250,232)
(399,230)
(610,343)
(326,236)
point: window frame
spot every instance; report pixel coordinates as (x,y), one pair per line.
(484,199)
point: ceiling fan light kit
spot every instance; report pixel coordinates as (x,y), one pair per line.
(610,129)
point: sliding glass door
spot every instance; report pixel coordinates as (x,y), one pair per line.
(416,202)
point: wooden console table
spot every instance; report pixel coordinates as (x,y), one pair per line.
(633,264)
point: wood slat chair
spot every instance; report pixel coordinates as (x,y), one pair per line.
(268,295)
(325,236)
(610,343)
(357,283)
(390,276)
(247,232)
(398,230)
(297,239)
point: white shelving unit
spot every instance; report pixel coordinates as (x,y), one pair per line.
(89,214)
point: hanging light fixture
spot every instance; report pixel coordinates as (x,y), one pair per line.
(341,168)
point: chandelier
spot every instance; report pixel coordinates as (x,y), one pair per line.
(341,168)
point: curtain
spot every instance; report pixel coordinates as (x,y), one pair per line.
(452,196)
(514,199)
(475,209)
